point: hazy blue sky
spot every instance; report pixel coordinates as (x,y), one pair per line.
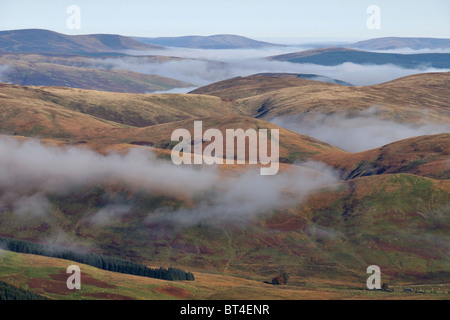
(254,18)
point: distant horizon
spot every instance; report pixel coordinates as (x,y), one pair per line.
(273,40)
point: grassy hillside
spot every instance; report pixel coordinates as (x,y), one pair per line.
(397,221)
(47,276)
(64,112)
(39,41)
(402,100)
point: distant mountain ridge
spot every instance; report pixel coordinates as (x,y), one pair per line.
(390,43)
(221,41)
(45,41)
(307,76)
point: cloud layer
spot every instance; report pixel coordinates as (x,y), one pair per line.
(201,67)
(239,200)
(30,171)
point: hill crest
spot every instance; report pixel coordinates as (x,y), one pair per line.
(219,41)
(46,41)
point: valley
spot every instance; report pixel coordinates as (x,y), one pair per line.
(86,139)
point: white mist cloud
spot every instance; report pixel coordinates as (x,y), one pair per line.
(174,90)
(35,205)
(359,132)
(26,205)
(33,170)
(4,71)
(202,67)
(321,232)
(365,75)
(60,239)
(109,213)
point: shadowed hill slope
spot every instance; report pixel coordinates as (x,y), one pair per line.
(122,108)
(427,156)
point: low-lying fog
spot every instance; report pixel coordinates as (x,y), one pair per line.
(360,132)
(201,67)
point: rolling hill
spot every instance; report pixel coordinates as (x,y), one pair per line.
(337,56)
(426,156)
(45,41)
(242,87)
(102,108)
(44,275)
(402,100)
(42,111)
(222,41)
(88,71)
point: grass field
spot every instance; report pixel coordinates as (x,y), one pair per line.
(47,276)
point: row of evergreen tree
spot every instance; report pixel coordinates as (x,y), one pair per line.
(9,292)
(95,260)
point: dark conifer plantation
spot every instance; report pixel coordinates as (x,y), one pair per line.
(95,260)
(9,292)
